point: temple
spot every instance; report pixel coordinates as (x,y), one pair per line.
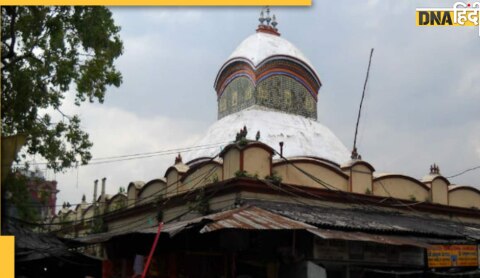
(282,197)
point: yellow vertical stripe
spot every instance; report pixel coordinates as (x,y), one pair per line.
(7,256)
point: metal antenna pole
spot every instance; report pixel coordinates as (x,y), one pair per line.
(354,151)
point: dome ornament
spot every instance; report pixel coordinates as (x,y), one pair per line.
(434,169)
(274,22)
(268,19)
(261,18)
(267,24)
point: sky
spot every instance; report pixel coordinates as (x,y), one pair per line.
(422,104)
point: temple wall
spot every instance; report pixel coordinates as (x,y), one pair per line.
(292,175)
(231,164)
(439,192)
(206,174)
(152,191)
(464,197)
(257,162)
(401,188)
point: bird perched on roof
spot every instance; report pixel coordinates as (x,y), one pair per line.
(178,159)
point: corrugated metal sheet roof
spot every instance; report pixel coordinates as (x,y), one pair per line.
(170,229)
(245,217)
(101,237)
(173,228)
(474,232)
(359,236)
(30,245)
(367,218)
(348,224)
(253,218)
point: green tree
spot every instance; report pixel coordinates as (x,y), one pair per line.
(19,199)
(46,52)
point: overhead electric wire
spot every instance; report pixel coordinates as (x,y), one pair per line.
(109,159)
(315,205)
(326,185)
(144,201)
(134,224)
(188,191)
(369,207)
(163,191)
(323,183)
(195,206)
(204,176)
(463,172)
(419,213)
(298,200)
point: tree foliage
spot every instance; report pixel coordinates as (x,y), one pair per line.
(47,52)
(20,203)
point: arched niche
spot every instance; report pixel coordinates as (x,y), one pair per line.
(152,191)
(202,174)
(132,192)
(118,201)
(329,173)
(360,176)
(401,187)
(464,196)
(438,188)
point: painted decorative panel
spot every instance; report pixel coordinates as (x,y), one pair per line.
(279,92)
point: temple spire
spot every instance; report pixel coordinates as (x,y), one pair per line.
(268,24)
(261,18)
(274,22)
(268,19)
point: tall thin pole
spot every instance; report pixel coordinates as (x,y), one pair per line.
(354,151)
(152,250)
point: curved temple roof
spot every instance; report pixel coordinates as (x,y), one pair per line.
(301,136)
(260,46)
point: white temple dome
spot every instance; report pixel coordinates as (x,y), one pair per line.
(268,85)
(260,46)
(301,136)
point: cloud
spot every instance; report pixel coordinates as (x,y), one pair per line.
(148,18)
(468,84)
(474,140)
(119,132)
(421,105)
(174,16)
